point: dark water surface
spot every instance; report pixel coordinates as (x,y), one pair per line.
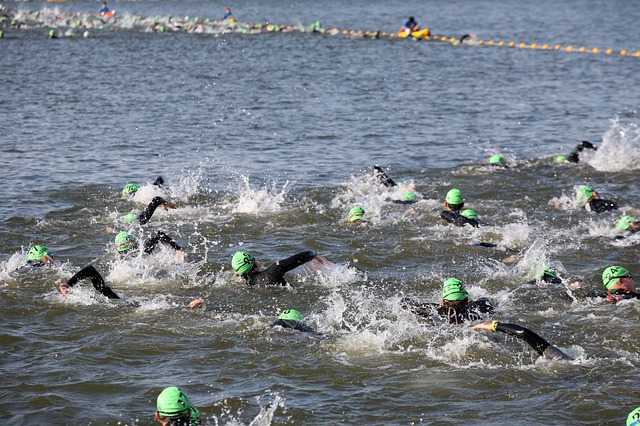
(262,140)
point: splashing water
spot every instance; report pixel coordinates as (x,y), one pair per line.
(620,148)
(253,200)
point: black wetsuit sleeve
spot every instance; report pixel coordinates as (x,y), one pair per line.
(296,325)
(601,206)
(96,279)
(159,237)
(294,261)
(274,273)
(382,177)
(457,219)
(145,216)
(541,346)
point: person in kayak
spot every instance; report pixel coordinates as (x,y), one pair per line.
(91,273)
(245,266)
(455,307)
(590,199)
(540,345)
(173,408)
(410,25)
(290,318)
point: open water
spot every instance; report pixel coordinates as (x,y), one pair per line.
(263,140)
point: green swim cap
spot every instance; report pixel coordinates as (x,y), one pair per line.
(38,252)
(469,214)
(128,218)
(173,403)
(625,222)
(549,272)
(242,262)
(633,419)
(454,290)
(611,274)
(290,314)
(561,159)
(585,193)
(409,196)
(356,213)
(454,196)
(125,241)
(129,189)
(497,159)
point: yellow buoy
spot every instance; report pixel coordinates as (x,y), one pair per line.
(443,38)
(557,47)
(534,46)
(512,43)
(637,53)
(583,49)
(501,43)
(623,52)
(522,44)
(609,51)
(352,32)
(595,50)
(345,32)
(490,42)
(360,32)
(480,41)
(569,48)
(383,34)
(545,46)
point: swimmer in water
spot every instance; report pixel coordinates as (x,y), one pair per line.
(498,161)
(130,189)
(148,212)
(590,199)
(454,203)
(633,419)
(91,273)
(290,318)
(126,243)
(574,157)
(380,176)
(245,266)
(540,345)
(174,409)
(39,256)
(619,284)
(629,225)
(455,307)
(356,216)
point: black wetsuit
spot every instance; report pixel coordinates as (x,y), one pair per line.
(454,216)
(146,214)
(600,206)
(274,273)
(96,279)
(296,325)
(382,177)
(574,157)
(452,314)
(159,237)
(540,345)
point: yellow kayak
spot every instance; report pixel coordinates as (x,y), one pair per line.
(422,33)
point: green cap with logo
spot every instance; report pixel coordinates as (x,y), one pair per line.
(125,241)
(453,290)
(497,160)
(611,275)
(129,189)
(242,262)
(38,252)
(633,419)
(625,222)
(290,314)
(454,196)
(129,218)
(469,214)
(561,159)
(173,403)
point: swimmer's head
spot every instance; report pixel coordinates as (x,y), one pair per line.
(585,193)
(172,403)
(612,274)
(125,241)
(129,218)
(633,419)
(469,214)
(549,272)
(129,189)
(454,199)
(242,262)
(290,314)
(40,254)
(409,196)
(627,222)
(497,160)
(356,214)
(453,290)
(562,159)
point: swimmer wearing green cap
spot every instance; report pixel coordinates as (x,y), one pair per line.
(633,419)
(574,157)
(629,223)
(454,203)
(39,256)
(291,318)
(498,161)
(590,199)
(540,345)
(356,215)
(619,284)
(409,197)
(91,273)
(245,266)
(455,307)
(148,212)
(173,408)
(130,189)
(126,243)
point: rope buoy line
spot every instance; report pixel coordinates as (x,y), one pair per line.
(72,21)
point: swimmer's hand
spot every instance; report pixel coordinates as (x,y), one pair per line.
(180,255)
(198,303)
(320,262)
(169,205)
(488,326)
(574,285)
(109,229)
(64,289)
